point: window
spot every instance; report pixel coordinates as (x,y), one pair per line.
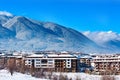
(37,59)
(44,61)
(68,65)
(43,65)
(28,62)
(50,66)
(50,60)
(68,62)
(38,66)
(37,62)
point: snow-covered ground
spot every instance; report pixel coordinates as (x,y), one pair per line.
(117,77)
(5,75)
(84,76)
(81,76)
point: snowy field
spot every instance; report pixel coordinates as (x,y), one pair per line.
(81,76)
(5,75)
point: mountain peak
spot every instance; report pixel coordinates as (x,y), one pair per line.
(20,17)
(5,13)
(30,34)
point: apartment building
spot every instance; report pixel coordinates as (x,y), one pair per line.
(65,62)
(61,62)
(106,63)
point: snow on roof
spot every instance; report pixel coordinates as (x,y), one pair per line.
(64,52)
(86,57)
(52,55)
(36,55)
(2,54)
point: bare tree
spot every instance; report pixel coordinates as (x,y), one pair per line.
(22,68)
(2,63)
(11,65)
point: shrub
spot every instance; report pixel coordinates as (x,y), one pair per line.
(108,77)
(62,77)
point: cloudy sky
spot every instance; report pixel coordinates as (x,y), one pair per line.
(82,15)
(102,36)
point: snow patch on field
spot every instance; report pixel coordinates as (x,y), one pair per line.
(81,76)
(5,75)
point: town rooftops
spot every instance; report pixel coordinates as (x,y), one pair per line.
(52,56)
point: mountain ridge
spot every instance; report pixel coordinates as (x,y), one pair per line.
(35,35)
(29,34)
(107,39)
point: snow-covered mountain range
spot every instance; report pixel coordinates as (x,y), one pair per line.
(107,39)
(21,33)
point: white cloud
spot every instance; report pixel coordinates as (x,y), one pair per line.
(5,13)
(102,36)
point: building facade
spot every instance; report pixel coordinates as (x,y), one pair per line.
(106,64)
(102,64)
(56,62)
